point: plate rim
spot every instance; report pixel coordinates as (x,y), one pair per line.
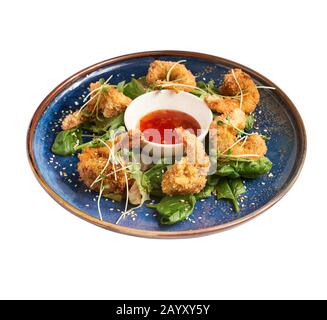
(298,165)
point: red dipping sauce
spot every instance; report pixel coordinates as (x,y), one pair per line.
(158,126)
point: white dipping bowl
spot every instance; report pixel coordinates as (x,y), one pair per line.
(168,100)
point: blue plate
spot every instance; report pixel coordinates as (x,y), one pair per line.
(276,117)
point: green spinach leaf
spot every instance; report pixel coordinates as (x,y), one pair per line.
(249,122)
(134,88)
(97,141)
(245,169)
(153,178)
(102,125)
(205,89)
(230,189)
(175,208)
(205,193)
(121,86)
(213,180)
(66,142)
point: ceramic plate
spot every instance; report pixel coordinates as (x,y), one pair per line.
(276,117)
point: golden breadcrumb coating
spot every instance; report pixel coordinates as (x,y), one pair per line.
(189,175)
(183,178)
(227,140)
(157,75)
(231,88)
(91,162)
(254,145)
(72,120)
(226,134)
(110,102)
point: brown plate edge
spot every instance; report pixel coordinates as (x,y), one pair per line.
(302,147)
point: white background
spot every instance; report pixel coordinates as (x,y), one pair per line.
(45,252)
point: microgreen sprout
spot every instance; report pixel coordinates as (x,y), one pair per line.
(265,87)
(97,93)
(171,69)
(239,86)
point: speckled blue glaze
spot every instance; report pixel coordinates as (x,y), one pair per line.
(273,120)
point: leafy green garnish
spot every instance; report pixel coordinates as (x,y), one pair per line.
(66,142)
(213,180)
(121,86)
(101,125)
(245,169)
(97,141)
(230,189)
(205,193)
(249,122)
(205,88)
(174,209)
(134,88)
(153,178)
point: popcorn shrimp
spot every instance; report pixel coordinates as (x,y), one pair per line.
(162,72)
(238,90)
(226,134)
(189,175)
(110,102)
(104,99)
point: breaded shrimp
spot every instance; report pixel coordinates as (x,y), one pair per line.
(227,141)
(235,84)
(72,120)
(158,71)
(95,163)
(189,175)
(110,102)
(254,146)
(226,134)
(92,161)
(107,101)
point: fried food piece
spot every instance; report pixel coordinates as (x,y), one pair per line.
(158,70)
(109,101)
(231,87)
(222,105)
(183,178)
(254,146)
(189,175)
(227,140)
(72,120)
(105,100)
(226,134)
(92,161)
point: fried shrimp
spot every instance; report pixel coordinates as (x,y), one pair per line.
(109,101)
(168,73)
(253,148)
(104,99)
(72,120)
(238,90)
(226,126)
(189,175)
(93,162)
(101,165)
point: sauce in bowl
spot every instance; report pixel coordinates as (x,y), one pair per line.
(158,126)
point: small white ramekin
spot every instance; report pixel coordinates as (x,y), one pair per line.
(168,100)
